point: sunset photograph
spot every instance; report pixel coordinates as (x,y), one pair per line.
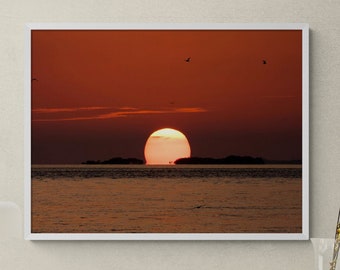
(166,131)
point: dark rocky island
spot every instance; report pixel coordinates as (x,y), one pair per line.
(116,160)
(226,160)
(295,161)
(233,159)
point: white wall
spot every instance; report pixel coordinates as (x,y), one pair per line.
(324,19)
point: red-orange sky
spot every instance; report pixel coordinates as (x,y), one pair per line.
(100,94)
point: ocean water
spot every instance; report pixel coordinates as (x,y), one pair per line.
(166,199)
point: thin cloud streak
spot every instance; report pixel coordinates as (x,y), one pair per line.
(119,114)
(190,110)
(58,110)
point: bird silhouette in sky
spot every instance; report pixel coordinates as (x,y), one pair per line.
(188,59)
(264,62)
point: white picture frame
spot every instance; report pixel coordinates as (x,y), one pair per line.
(170,236)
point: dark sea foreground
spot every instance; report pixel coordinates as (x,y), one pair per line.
(166,199)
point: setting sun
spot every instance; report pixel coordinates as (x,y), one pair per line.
(165,146)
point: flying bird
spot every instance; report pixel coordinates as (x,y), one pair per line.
(188,59)
(264,62)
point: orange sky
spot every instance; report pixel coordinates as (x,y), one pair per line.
(100,94)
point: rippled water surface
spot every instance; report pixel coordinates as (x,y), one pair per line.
(111,198)
(116,172)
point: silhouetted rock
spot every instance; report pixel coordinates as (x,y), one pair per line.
(226,160)
(116,160)
(294,161)
(91,162)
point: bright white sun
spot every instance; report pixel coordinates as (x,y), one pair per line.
(165,146)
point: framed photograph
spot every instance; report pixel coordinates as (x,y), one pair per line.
(166,132)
